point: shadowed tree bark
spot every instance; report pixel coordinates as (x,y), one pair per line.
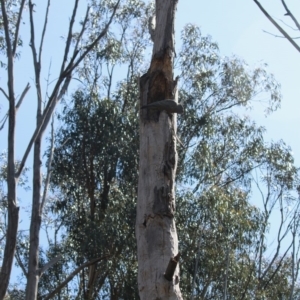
(155,226)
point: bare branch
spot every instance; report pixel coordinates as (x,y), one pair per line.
(65,76)
(18,28)
(287,25)
(82,28)
(279,36)
(37,64)
(43,123)
(17,106)
(32,35)
(279,240)
(70,277)
(69,39)
(23,96)
(289,13)
(44,31)
(49,264)
(285,34)
(2,90)
(19,260)
(4,121)
(3,238)
(71,67)
(278,265)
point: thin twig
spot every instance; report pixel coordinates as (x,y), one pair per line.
(3,238)
(4,93)
(70,277)
(4,121)
(27,87)
(48,78)
(18,258)
(17,106)
(287,25)
(279,36)
(286,35)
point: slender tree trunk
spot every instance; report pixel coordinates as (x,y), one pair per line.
(35,225)
(155,226)
(12,210)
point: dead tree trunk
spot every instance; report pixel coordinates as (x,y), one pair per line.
(155,226)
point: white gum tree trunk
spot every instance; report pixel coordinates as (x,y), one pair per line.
(155,226)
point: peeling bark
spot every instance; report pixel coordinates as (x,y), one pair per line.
(155,226)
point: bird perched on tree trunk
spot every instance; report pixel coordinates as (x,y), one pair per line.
(169,105)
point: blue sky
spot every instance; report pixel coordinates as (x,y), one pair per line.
(238,27)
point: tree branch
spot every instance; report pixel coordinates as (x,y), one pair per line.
(69,39)
(6,29)
(18,28)
(70,277)
(278,36)
(4,93)
(22,96)
(49,264)
(65,75)
(36,63)
(17,256)
(82,28)
(17,106)
(71,67)
(289,13)
(285,34)
(44,31)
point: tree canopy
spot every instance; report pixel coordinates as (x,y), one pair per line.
(231,184)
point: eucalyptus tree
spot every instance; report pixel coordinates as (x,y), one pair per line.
(219,149)
(94,167)
(75,51)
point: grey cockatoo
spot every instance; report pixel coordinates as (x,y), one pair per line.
(169,105)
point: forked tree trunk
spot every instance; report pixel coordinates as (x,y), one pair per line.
(155,226)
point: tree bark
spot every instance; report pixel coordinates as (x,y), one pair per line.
(156,234)
(13,209)
(35,224)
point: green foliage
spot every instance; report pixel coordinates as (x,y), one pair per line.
(222,160)
(94,172)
